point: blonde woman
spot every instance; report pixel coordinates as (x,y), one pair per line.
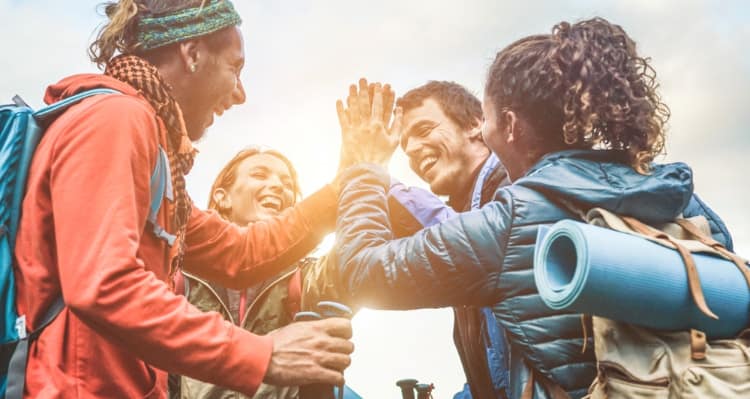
(254,186)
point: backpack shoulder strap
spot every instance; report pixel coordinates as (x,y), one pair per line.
(19,358)
(49,113)
(161,187)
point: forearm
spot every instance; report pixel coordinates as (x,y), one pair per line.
(238,257)
(161,328)
(436,267)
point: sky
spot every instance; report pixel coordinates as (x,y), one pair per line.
(302,55)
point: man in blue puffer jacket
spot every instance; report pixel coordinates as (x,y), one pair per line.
(576,118)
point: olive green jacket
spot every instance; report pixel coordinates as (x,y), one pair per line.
(272,308)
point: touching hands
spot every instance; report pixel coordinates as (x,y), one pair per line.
(368,134)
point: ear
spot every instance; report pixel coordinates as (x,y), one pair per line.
(222,199)
(189,54)
(475,133)
(511,126)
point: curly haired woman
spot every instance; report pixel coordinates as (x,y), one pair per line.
(576,118)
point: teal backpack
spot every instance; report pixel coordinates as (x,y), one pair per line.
(21,129)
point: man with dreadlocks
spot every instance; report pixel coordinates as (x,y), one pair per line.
(84,235)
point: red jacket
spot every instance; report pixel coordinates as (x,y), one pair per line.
(83,233)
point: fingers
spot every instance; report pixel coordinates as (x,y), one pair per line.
(351,106)
(337,327)
(395,130)
(371,91)
(340,345)
(389,97)
(336,361)
(363,100)
(376,116)
(343,117)
(362,106)
(324,376)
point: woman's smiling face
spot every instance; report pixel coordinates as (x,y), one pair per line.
(262,188)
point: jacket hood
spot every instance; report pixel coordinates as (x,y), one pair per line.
(77,83)
(596,178)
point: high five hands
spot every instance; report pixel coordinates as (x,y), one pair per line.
(368,133)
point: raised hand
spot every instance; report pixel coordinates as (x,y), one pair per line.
(310,352)
(367,132)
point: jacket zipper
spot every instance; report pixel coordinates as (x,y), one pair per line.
(614,370)
(216,295)
(261,293)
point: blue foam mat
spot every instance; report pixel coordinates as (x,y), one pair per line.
(602,272)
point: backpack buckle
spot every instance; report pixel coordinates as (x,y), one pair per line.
(21,326)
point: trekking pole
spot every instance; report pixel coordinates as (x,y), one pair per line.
(407,387)
(334,309)
(326,309)
(313,391)
(424,391)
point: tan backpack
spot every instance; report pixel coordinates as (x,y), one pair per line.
(637,362)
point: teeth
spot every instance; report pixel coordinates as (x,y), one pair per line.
(271,202)
(427,162)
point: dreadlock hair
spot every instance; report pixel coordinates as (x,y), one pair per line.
(119,36)
(228,175)
(583,86)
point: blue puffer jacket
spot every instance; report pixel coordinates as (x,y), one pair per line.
(484,258)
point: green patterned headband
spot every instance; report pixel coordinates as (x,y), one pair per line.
(158,31)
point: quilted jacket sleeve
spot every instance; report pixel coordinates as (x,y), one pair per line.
(456,262)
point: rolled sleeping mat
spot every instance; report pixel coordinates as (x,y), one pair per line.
(593,270)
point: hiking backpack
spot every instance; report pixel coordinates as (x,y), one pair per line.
(636,359)
(639,362)
(21,129)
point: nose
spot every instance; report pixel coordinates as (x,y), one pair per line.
(275,184)
(238,95)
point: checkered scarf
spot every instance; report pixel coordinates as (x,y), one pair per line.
(145,78)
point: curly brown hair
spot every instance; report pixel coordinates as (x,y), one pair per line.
(583,86)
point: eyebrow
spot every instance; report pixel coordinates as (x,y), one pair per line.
(260,167)
(413,129)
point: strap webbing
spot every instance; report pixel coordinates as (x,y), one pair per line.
(692,272)
(161,187)
(695,232)
(17,365)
